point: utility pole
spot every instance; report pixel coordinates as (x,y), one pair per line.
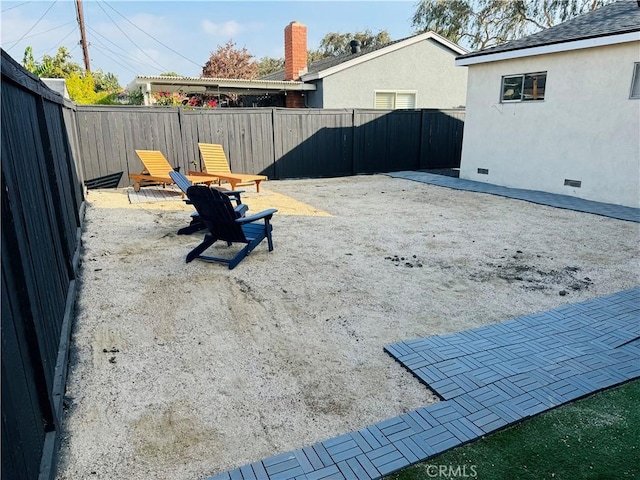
(83,37)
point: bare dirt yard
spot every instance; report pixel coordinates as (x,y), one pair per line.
(181,371)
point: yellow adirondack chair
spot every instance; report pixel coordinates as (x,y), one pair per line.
(215,163)
(156,170)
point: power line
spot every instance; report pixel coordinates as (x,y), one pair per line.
(61,40)
(122,52)
(151,36)
(42,33)
(113,58)
(123,32)
(34,25)
(118,57)
(15,6)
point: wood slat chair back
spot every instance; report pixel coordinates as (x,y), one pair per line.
(217,213)
(155,162)
(213,158)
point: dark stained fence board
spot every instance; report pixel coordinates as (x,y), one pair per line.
(76,168)
(387,141)
(24,428)
(42,200)
(61,180)
(250,142)
(31,206)
(189,125)
(442,132)
(316,144)
(245,136)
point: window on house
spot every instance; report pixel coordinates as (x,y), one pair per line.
(635,81)
(523,87)
(395,100)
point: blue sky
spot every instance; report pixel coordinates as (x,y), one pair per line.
(151,37)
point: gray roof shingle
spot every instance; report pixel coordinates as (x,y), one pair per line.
(616,18)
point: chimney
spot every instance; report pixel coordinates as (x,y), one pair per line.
(355,45)
(295,51)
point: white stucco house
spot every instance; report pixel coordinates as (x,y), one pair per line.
(414,72)
(559,110)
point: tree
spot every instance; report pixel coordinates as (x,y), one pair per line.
(315,55)
(30,64)
(170,74)
(60,64)
(479,24)
(105,82)
(334,44)
(268,65)
(229,62)
(83,87)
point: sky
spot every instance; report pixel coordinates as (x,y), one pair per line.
(129,38)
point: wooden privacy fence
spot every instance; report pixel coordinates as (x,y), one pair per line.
(42,202)
(279,143)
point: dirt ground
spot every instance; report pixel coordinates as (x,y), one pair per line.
(183,371)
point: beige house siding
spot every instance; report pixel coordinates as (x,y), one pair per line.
(586,129)
(426,67)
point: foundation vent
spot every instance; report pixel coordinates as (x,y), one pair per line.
(483,171)
(572,183)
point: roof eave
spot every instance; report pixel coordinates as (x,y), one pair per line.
(549,48)
(224,83)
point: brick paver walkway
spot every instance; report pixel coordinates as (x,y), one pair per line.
(488,378)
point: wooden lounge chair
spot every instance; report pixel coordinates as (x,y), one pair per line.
(156,171)
(214,162)
(217,213)
(196,224)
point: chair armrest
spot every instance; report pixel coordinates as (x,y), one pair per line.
(241,210)
(257,216)
(234,195)
(233,192)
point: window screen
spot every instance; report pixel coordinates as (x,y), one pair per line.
(406,100)
(385,100)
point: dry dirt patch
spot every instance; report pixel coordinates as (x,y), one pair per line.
(183,371)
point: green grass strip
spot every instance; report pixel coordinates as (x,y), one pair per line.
(597,437)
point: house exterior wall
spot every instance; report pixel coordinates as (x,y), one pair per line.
(586,129)
(425,67)
(314,97)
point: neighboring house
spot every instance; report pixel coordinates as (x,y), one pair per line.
(559,110)
(225,91)
(415,72)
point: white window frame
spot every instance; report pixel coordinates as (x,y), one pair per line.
(635,81)
(522,76)
(395,98)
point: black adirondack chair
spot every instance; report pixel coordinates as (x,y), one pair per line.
(196,225)
(219,216)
